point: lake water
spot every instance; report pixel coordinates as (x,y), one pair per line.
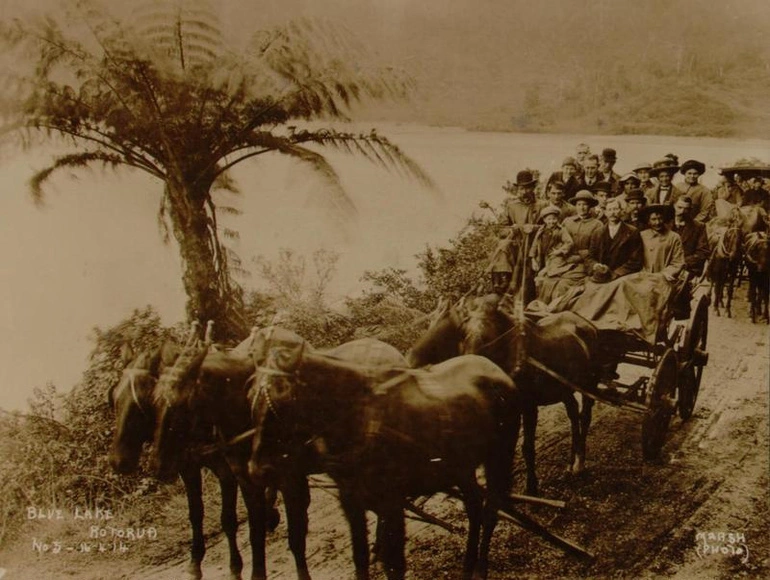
(94,252)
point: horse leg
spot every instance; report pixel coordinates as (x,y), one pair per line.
(393,540)
(254,498)
(193,488)
(528,446)
(296,497)
(577,459)
(356,516)
(498,469)
(586,414)
(730,283)
(473,499)
(228,487)
(717,290)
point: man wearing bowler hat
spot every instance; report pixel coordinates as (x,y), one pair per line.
(663,251)
(522,214)
(524,209)
(606,165)
(665,192)
(702,200)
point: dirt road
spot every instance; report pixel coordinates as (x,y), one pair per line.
(638,519)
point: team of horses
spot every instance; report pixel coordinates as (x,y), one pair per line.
(273,410)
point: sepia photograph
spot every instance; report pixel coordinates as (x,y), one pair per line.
(384,289)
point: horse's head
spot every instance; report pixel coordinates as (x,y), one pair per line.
(483,329)
(132,400)
(277,355)
(175,413)
(442,339)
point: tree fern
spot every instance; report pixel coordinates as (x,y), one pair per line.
(162,93)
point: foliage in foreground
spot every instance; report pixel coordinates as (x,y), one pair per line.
(56,455)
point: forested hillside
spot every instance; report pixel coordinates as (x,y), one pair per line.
(684,67)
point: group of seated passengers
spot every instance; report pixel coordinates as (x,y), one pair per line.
(593,236)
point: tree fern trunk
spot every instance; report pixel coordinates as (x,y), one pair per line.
(211,294)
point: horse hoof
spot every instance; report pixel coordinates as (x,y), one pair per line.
(577,468)
(194,572)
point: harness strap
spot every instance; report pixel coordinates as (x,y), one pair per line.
(132,373)
(541,367)
(214,447)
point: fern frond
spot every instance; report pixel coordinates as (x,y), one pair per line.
(75,160)
(373,147)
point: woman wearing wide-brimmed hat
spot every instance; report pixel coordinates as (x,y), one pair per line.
(585,231)
(642,172)
(702,199)
(665,192)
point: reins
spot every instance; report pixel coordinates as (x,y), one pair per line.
(498,338)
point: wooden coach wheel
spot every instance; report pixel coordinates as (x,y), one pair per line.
(660,404)
(693,357)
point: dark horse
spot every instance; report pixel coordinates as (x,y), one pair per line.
(386,434)
(563,342)
(206,394)
(135,418)
(757,256)
(725,239)
(297,457)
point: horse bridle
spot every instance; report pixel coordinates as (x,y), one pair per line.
(267,372)
(263,391)
(132,373)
